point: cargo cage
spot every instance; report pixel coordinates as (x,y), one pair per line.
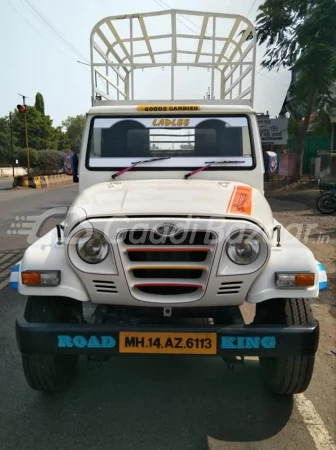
(120,45)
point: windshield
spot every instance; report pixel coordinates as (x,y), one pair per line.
(188,141)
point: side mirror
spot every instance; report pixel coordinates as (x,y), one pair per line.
(70,165)
(272,162)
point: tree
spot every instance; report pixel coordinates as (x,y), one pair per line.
(41,134)
(5,144)
(23,160)
(49,162)
(74,128)
(39,103)
(301,35)
(63,142)
(319,123)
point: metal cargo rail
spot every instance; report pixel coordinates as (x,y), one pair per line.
(221,44)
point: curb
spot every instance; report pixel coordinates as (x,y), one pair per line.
(41,182)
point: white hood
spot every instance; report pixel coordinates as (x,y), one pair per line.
(174,197)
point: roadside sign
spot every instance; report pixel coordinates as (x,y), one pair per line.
(16,161)
(273,131)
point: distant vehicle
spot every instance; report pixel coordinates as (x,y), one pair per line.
(171,224)
(326,201)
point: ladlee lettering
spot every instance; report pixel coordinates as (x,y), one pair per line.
(171,122)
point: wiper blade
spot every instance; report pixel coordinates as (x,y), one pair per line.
(210,163)
(134,164)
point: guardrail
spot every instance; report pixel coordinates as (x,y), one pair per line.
(41,182)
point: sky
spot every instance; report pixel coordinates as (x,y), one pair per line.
(40,58)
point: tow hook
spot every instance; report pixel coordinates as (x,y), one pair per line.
(234,364)
(96,362)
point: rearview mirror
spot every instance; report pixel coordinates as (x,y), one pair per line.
(70,165)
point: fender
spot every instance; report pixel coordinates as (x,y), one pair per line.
(291,256)
(46,254)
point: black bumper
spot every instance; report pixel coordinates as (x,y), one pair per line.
(233,340)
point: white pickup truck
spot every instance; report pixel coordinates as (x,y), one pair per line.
(170,233)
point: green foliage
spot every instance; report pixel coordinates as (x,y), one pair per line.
(39,103)
(322,125)
(49,162)
(5,147)
(33,157)
(74,128)
(41,134)
(301,35)
(63,142)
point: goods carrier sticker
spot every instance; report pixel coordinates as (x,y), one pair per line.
(168,108)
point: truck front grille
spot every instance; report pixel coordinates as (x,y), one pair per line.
(165,266)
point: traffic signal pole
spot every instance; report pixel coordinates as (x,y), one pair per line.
(11,142)
(27,147)
(26,131)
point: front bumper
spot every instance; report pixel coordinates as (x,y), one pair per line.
(106,339)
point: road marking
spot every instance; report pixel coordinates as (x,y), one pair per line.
(314,423)
(5,257)
(8,259)
(3,284)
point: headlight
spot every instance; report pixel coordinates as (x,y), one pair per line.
(243,247)
(92,247)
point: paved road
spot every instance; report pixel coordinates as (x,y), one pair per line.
(140,403)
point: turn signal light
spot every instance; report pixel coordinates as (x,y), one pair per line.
(288,280)
(50,278)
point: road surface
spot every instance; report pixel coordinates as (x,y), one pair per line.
(143,403)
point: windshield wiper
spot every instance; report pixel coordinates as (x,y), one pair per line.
(134,164)
(208,164)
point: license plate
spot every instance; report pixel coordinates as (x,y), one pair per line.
(176,343)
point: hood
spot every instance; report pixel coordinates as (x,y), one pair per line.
(175,197)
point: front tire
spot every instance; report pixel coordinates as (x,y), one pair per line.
(326,203)
(286,375)
(51,373)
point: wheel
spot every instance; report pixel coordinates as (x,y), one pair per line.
(286,375)
(51,373)
(326,203)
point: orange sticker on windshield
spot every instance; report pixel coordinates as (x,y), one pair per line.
(241,200)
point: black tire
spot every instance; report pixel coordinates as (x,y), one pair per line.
(51,373)
(286,375)
(326,203)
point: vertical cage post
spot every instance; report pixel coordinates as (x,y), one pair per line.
(222,88)
(132,62)
(173,56)
(213,58)
(93,89)
(118,95)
